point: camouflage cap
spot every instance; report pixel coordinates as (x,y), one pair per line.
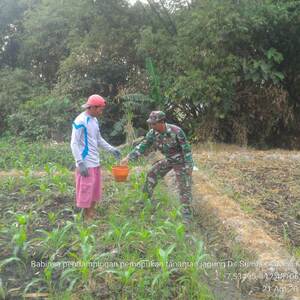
(156,116)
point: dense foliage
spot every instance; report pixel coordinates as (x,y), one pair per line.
(225,70)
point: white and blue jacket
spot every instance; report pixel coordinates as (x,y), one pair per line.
(86,140)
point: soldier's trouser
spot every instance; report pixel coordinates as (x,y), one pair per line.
(183,179)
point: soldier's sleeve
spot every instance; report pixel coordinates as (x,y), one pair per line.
(140,149)
(186,148)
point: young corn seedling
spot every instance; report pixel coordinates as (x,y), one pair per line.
(81,269)
(19,239)
(124,276)
(192,274)
(178,228)
(187,276)
(85,232)
(174,213)
(52,217)
(163,258)
(53,241)
(180,234)
(40,200)
(29,178)
(145,234)
(44,188)
(9,183)
(48,276)
(199,255)
(33,283)
(83,264)
(85,259)
(119,234)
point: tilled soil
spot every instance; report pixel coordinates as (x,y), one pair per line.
(265,183)
(248,200)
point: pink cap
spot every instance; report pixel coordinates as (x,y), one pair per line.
(94,100)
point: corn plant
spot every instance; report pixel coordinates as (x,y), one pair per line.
(19,239)
(191,276)
(85,232)
(24,191)
(44,188)
(52,217)
(86,243)
(119,233)
(83,264)
(136,183)
(53,241)
(163,258)
(179,229)
(124,276)
(200,254)
(47,276)
(30,181)
(81,271)
(174,213)
(86,257)
(180,233)
(9,183)
(145,234)
(40,200)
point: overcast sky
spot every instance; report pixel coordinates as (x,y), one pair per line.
(133,1)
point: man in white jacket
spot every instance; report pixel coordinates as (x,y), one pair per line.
(85,143)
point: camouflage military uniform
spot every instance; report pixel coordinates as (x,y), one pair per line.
(174,145)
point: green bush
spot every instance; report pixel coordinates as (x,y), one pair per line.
(16,87)
(43,117)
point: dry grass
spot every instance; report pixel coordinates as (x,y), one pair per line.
(266,184)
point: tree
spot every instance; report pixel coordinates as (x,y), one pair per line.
(221,52)
(11,14)
(16,87)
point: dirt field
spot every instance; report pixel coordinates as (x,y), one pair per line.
(266,184)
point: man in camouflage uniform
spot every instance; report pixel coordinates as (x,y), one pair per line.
(171,141)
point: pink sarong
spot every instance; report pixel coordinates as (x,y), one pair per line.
(88,189)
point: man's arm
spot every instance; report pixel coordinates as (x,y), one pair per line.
(77,132)
(141,148)
(108,147)
(186,149)
(102,143)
